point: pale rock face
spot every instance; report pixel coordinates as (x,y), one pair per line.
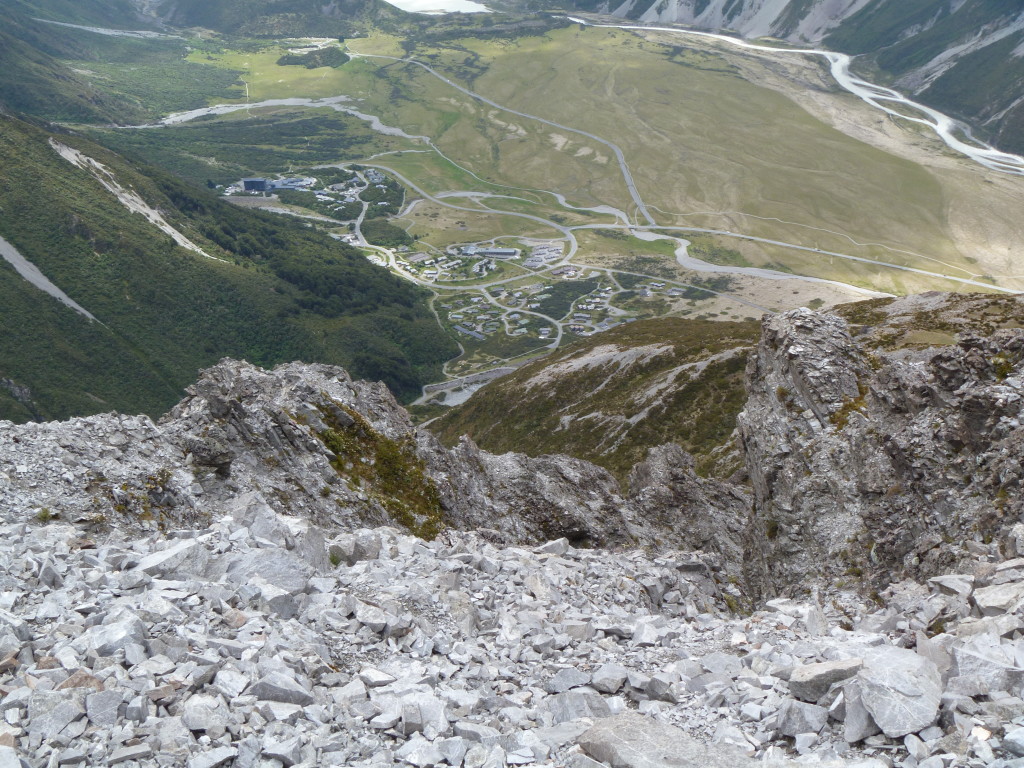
(880,463)
(901,690)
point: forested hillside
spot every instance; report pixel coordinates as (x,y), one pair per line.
(273,290)
(279,18)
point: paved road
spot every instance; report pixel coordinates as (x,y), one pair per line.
(626,175)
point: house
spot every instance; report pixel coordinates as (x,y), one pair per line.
(499,253)
(469,332)
(255,185)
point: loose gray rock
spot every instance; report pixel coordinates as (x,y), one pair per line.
(609,678)
(277,686)
(901,690)
(288,751)
(50,712)
(796,717)
(809,682)
(565,679)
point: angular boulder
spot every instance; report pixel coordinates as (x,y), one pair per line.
(810,682)
(901,690)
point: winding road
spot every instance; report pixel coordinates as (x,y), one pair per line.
(619,156)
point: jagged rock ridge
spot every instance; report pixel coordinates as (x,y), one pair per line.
(311,442)
(873,455)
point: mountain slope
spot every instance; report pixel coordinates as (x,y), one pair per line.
(610,398)
(262,287)
(278,18)
(36,81)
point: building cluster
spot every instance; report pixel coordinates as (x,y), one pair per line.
(269,185)
(540,254)
(489,253)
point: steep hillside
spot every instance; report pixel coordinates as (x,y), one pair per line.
(176,279)
(609,398)
(961,56)
(38,82)
(97,74)
(278,18)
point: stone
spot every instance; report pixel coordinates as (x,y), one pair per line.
(110,637)
(565,679)
(124,754)
(213,758)
(19,627)
(102,708)
(288,751)
(9,758)
(203,712)
(660,687)
(374,678)
(954,584)
(477,732)
(797,717)
(609,678)
(187,557)
(809,682)
(981,658)
(274,566)
(634,741)
(277,686)
(231,683)
(419,752)
(999,598)
(557,547)
(170,735)
(81,679)
(575,704)
(452,749)
(49,712)
(1013,741)
(69,757)
(900,689)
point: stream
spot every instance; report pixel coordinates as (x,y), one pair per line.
(875,95)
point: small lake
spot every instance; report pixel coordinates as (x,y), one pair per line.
(436,7)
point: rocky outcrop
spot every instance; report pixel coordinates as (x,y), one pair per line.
(706,514)
(869,462)
(308,441)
